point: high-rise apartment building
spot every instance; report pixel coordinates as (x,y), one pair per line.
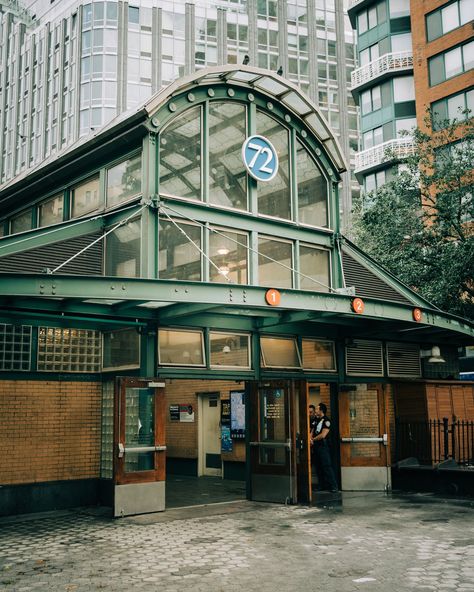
(413,56)
(68,67)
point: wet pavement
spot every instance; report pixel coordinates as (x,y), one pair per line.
(349,542)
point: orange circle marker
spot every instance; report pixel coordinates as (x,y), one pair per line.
(417,314)
(272,297)
(358,305)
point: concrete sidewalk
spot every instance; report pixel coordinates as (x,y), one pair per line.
(354,541)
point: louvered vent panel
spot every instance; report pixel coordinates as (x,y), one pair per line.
(52,255)
(364,358)
(366,283)
(403,359)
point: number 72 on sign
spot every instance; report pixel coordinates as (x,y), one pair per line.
(260,158)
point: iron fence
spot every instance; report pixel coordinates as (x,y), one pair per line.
(435,441)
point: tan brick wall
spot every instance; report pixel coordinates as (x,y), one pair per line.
(182,437)
(422,50)
(49,431)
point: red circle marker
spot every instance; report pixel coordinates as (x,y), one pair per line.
(358,305)
(272,297)
(417,314)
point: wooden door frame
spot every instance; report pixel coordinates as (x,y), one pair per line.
(159,473)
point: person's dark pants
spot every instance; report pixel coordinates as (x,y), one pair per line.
(323,466)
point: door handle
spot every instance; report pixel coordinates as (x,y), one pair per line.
(383,439)
(122,449)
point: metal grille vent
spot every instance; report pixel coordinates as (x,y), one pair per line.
(403,359)
(364,358)
(367,283)
(52,255)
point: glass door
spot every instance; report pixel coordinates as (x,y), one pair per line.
(140,445)
(272,452)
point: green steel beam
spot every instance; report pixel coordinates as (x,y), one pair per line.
(230,296)
(175,311)
(39,237)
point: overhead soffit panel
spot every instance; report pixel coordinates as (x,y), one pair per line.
(267,82)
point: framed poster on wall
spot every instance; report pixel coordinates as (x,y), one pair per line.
(237,414)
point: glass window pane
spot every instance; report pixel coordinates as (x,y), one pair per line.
(378,135)
(180,156)
(436,66)
(273,425)
(315,264)
(124,180)
(376,98)
(364,57)
(279,352)
(312,190)
(121,349)
(453,62)
(229,350)
(179,258)
(228,250)
(271,254)
(439,114)
(399,8)
(434,25)
(368,139)
(362,23)
(466,10)
(51,211)
(85,198)
(450,17)
(182,348)
(139,428)
(227,176)
(318,355)
(403,89)
(274,197)
(372,17)
(21,222)
(470,102)
(468,56)
(401,42)
(456,106)
(366,102)
(122,250)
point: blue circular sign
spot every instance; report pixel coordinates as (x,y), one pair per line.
(260,158)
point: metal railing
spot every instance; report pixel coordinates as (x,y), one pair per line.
(435,441)
(389,62)
(390,150)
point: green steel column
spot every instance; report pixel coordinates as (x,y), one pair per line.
(149,234)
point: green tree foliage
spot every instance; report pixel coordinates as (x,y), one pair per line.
(420,224)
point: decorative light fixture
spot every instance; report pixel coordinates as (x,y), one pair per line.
(434,355)
(226,349)
(222,251)
(224,270)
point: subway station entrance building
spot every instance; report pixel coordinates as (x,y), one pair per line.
(175,290)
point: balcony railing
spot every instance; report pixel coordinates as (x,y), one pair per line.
(391,150)
(390,62)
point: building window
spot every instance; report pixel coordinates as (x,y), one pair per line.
(374,181)
(402,126)
(179,255)
(22,222)
(399,8)
(402,42)
(124,180)
(371,100)
(318,355)
(177,347)
(227,176)
(274,199)
(280,352)
(369,54)
(51,211)
(229,350)
(122,250)
(366,20)
(445,19)
(180,156)
(228,253)
(373,137)
(15,347)
(85,198)
(312,190)
(451,63)
(121,349)
(314,265)
(275,260)
(68,350)
(403,89)
(457,107)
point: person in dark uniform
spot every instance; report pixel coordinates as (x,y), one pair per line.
(322,453)
(313,422)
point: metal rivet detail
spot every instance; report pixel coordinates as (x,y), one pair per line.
(210,92)
(318,151)
(172,107)
(231,92)
(191,97)
(155,122)
(270,106)
(304,134)
(251,97)
(287,118)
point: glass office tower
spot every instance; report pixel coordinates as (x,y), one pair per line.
(68,67)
